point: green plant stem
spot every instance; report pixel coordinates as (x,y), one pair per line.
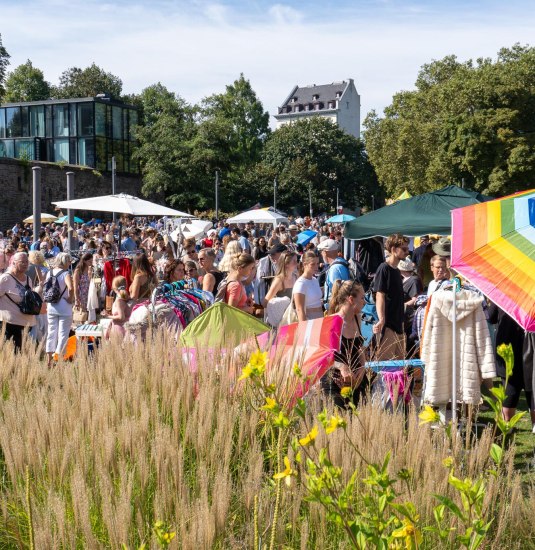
(278,494)
(29,510)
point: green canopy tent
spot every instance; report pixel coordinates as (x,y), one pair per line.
(420,215)
(221,325)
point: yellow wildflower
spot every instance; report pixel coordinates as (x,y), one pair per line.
(309,438)
(256,365)
(428,415)
(245,373)
(448,462)
(505,351)
(286,473)
(271,405)
(413,537)
(346,392)
(297,371)
(334,423)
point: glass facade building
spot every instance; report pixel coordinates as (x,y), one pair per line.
(86,132)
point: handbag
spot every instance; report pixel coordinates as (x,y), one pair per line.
(275,310)
(290,315)
(79,315)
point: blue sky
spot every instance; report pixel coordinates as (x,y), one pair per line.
(195,48)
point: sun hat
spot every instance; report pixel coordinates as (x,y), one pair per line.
(442,247)
(293,227)
(329,245)
(407,265)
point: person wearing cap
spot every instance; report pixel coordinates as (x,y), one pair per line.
(337,268)
(420,249)
(265,272)
(388,287)
(443,248)
(294,230)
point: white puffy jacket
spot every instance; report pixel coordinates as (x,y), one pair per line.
(475,354)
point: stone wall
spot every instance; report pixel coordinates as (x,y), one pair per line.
(16,184)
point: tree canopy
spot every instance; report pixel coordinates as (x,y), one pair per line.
(26,83)
(89,82)
(4,62)
(181,146)
(471,122)
(318,153)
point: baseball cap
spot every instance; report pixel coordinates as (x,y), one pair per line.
(329,245)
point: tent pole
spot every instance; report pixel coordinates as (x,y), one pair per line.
(454,359)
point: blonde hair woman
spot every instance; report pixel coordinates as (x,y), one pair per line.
(59,314)
(347,300)
(240,271)
(232,251)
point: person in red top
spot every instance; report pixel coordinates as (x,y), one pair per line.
(240,271)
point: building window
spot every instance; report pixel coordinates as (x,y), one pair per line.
(48,120)
(315,97)
(2,123)
(25,122)
(61,150)
(85,119)
(25,149)
(61,121)
(13,123)
(72,120)
(100,119)
(86,152)
(7,148)
(37,121)
(117,122)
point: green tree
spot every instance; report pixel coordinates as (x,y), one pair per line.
(4,62)
(232,130)
(315,152)
(27,83)
(471,122)
(165,144)
(89,82)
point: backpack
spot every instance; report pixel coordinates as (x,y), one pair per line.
(357,273)
(51,291)
(368,317)
(221,294)
(31,301)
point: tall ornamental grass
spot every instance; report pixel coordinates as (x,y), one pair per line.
(94,452)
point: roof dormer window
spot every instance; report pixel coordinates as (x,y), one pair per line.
(293,100)
(338,95)
(315,97)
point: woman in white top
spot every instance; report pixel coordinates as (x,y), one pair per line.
(307,295)
(59,314)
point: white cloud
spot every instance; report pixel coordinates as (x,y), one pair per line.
(195,49)
(284,15)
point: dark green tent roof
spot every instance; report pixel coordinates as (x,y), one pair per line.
(428,213)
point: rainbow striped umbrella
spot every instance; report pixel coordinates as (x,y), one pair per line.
(493,246)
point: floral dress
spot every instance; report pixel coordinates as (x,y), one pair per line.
(84,289)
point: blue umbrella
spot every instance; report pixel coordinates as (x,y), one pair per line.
(92,222)
(65,219)
(305,237)
(341,218)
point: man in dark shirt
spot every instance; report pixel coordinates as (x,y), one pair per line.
(389,299)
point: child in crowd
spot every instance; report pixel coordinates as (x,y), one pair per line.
(120,311)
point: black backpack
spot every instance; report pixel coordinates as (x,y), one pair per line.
(31,301)
(51,291)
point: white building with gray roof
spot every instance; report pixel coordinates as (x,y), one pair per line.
(338,102)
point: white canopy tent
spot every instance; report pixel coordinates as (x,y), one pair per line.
(121,203)
(194,229)
(259,215)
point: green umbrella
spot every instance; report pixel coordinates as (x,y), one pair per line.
(221,325)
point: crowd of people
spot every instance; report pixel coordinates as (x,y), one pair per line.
(261,270)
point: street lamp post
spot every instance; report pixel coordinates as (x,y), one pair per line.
(113,168)
(275,194)
(217,195)
(337,200)
(310,198)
